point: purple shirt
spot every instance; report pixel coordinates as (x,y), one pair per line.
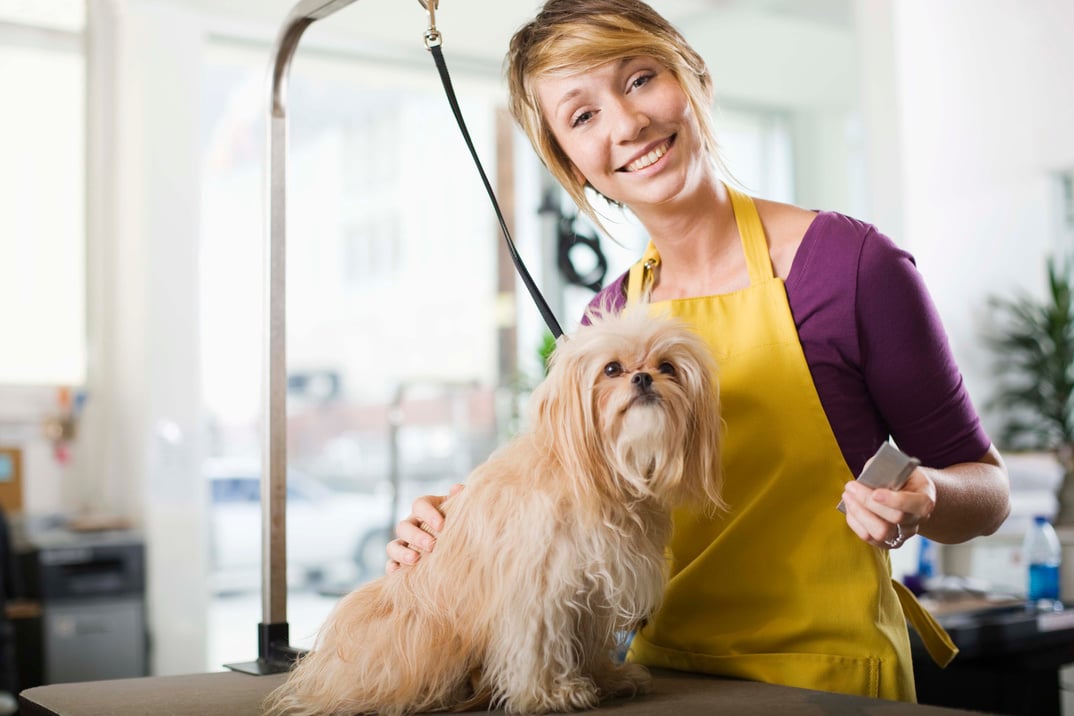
(875,345)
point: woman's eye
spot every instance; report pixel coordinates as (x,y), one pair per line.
(613,369)
(581,118)
(640,80)
(666,368)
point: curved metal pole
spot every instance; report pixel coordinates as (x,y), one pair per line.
(274,650)
(274,449)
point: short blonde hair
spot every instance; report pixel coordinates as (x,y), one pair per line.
(570,36)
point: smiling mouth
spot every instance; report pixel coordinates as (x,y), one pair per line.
(647,160)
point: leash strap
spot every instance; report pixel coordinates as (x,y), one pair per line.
(535,293)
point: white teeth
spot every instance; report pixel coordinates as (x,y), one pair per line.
(648,159)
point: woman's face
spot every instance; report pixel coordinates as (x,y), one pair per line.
(628,129)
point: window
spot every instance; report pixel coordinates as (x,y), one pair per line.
(392,345)
(42,186)
(756,145)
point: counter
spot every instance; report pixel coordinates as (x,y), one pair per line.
(237,694)
(1009,661)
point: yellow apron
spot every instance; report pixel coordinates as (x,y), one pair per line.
(778,588)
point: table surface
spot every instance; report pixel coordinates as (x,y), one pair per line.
(238,694)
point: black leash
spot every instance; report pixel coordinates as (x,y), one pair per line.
(432,43)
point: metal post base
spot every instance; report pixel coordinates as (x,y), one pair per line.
(275,655)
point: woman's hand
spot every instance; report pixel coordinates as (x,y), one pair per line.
(948,506)
(417,533)
(885,518)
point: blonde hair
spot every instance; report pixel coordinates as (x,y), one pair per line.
(575,35)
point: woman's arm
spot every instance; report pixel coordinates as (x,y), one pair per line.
(962,490)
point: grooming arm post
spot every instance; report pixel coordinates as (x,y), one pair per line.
(274,651)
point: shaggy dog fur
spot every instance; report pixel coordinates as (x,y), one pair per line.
(555,546)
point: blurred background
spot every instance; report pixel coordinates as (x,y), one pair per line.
(132,226)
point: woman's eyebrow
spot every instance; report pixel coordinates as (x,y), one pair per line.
(570,95)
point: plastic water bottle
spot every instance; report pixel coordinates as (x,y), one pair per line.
(1042,554)
(926,559)
(918,582)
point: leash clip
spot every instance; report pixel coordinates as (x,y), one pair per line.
(433,38)
(648,278)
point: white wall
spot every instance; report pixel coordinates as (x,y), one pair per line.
(142,428)
(986,115)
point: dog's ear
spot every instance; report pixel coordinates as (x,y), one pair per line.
(706,429)
(563,415)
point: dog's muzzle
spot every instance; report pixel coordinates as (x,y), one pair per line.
(643,389)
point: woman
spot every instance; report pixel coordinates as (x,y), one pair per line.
(827,344)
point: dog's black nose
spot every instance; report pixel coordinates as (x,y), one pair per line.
(642,381)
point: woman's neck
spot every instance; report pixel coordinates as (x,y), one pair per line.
(697,238)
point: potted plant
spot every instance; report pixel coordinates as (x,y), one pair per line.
(1033,344)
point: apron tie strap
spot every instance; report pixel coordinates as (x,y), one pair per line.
(935,638)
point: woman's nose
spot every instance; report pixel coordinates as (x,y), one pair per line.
(629,122)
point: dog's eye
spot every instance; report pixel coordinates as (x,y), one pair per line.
(666,368)
(613,369)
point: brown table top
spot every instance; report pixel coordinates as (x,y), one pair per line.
(238,694)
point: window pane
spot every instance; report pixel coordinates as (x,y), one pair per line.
(42,218)
(68,15)
(756,146)
(391,346)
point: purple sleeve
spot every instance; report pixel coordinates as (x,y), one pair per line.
(876,347)
(908,364)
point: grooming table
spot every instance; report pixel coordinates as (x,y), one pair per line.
(238,694)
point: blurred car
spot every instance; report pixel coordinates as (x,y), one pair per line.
(334,538)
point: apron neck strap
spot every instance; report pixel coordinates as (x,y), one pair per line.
(754,244)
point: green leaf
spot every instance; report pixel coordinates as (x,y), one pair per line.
(1033,357)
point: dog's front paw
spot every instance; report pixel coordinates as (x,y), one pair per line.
(576,694)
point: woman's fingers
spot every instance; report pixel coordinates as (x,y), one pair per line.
(417,533)
(879,525)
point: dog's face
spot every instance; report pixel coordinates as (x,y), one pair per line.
(631,400)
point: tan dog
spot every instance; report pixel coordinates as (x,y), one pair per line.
(555,546)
